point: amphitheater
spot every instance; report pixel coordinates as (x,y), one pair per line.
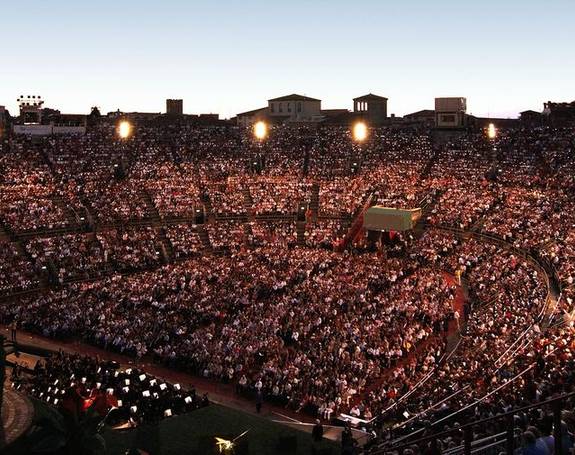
(245,262)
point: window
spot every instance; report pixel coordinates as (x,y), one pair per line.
(272,107)
(281,108)
(289,107)
(299,107)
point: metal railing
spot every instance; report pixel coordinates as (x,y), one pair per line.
(521,342)
(556,404)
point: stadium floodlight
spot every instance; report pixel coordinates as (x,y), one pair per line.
(124,129)
(359,132)
(491,131)
(260,130)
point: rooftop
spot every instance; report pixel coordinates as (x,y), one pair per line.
(253,112)
(370,97)
(294,97)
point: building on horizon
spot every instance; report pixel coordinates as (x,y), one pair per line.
(292,108)
(451,112)
(425,117)
(372,108)
(37,120)
(559,114)
(296,108)
(174,106)
(248,118)
(531,118)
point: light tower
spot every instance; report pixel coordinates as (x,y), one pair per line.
(260,134)
(359,133)
(260,130)
(30,109)
(124,129)
(491,131)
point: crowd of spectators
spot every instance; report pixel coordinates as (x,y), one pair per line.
(185,240)
(16,271)
(130,248)
(72,255)
(271,307)
(304,324)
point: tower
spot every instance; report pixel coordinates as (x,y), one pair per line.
(372,107)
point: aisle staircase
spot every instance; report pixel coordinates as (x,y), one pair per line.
(248,233)
(151,210)
(314,201)
(356,225)
(208,208)
(72,217)
(248,202)
(204,237)
(429,165)
(3,234)
(300,231)
(306,161)
(166,246)
(89,212)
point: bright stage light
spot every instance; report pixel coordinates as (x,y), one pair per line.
(124,129)
(491,131)
(260,130)
(359,131)
(227,446)
(224,445)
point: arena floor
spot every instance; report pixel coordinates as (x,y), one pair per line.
(17,415)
